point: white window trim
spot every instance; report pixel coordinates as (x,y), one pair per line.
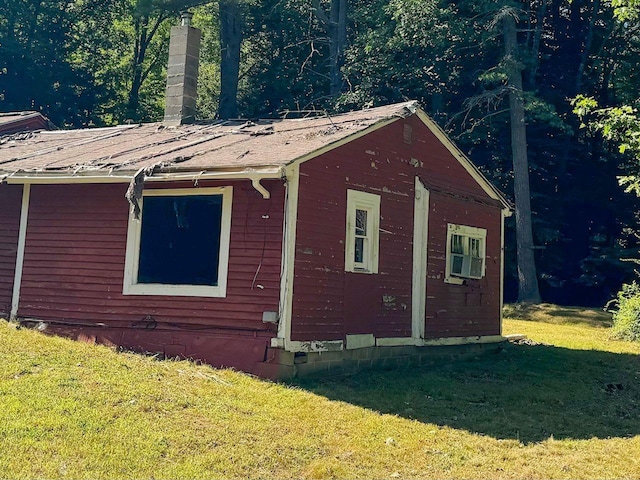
(463,230)
(130,285)
(369,202)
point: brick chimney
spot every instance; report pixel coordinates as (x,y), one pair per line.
(182,73)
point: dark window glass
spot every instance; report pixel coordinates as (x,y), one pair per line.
(358,256)
(180,240)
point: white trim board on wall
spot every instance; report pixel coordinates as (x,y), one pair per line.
(22,240)
(288,258)
(420,246)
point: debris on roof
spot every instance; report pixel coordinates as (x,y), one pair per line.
(206,146)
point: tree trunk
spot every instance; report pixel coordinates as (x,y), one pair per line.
(336,27)
(144,36)
(338,34)
(527,280)
(584,58)
(230,42)
(140,47)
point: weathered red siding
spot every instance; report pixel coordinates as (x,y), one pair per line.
(469,309)
(10,204)
(330,303)
(74,267)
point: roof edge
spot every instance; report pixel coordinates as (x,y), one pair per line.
(407,110)
(488,187)
(162,176)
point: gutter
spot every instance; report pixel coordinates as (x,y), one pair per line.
(255,175)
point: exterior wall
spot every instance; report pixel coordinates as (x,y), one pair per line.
(10,205)
(74,267)
(474,307)
(330,303)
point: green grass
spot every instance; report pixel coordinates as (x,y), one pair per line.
(541,409)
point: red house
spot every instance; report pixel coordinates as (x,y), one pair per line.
(279,247)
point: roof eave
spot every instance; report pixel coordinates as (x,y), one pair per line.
(268,172)
(467,164)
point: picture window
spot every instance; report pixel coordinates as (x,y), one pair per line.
(180,244)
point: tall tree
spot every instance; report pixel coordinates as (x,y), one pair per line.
(527,279)
(146,23)
(231,26)
(335,24)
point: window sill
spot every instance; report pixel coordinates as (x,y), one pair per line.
(360,270)
(175,290)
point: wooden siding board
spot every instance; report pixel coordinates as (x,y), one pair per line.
(453,310)
(381,163)
(74,266)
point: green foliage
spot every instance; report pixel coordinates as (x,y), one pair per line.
(626,313)
(626,9)
(620,125)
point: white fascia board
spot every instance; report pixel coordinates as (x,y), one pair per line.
(247,173)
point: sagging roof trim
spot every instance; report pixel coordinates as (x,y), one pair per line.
(252,174)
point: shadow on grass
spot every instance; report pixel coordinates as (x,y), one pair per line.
(527,393)
(554,314)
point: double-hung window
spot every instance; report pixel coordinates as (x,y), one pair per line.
(362,232)
(180,244)
(465,253)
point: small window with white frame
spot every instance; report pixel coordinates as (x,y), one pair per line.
(465,253)
(362,233)
(180,244)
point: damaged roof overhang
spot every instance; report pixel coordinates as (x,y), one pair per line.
(42,177)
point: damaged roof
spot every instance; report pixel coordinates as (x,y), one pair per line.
(12,122)
(202,147)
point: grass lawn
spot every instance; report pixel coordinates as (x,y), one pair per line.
(563,404)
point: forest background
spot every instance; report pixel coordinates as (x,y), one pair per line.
(89,63)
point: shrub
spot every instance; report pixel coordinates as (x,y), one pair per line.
(626,314)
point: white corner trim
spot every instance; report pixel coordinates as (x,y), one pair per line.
(22,239)
(288,254)
(502,216)
(132,255)
(420,264)
(360,341)
(438,342)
